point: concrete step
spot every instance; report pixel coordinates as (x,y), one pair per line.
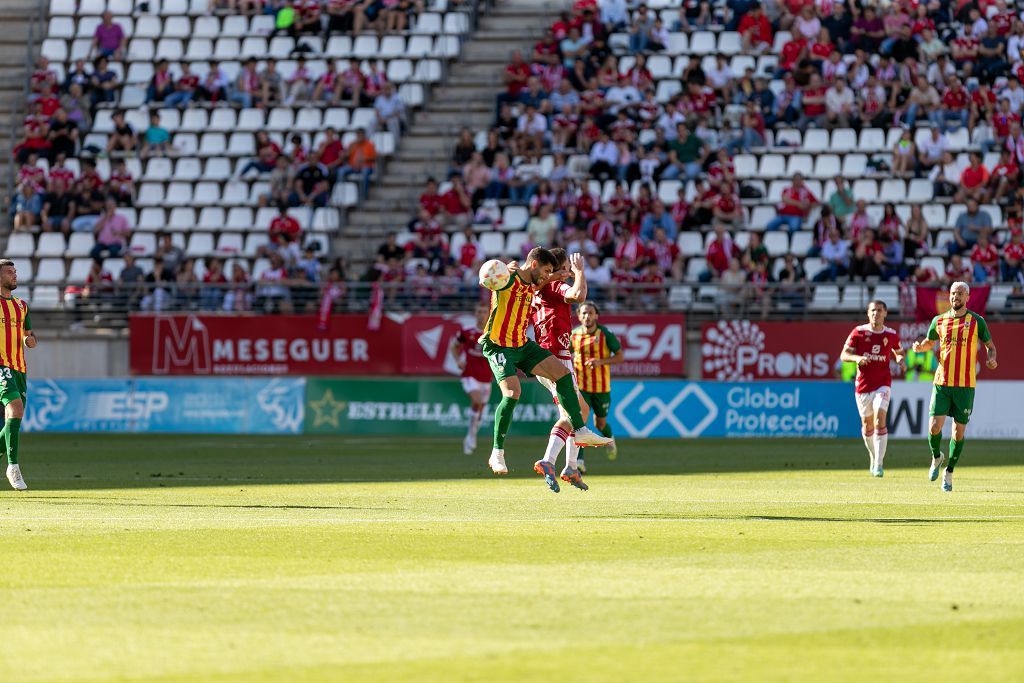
(492,50)
(527,24)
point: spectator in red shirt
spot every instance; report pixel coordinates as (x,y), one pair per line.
(755,30)
(184,89)
(955,105)
(515,76)
(797,201)
(283,225)
(985,257)
(455,205)
(812,101)
(973,181)
(666,255)
(1013,255)
(602,231)
(719,252)
(430,200)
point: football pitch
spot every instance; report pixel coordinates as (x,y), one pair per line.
(244,559)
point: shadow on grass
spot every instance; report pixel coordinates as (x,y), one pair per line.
(73,462)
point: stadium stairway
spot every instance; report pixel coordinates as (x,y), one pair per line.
(464,99)
(17,16)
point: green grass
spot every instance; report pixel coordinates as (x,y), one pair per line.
(275,559)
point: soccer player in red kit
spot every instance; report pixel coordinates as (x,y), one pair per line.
(553,322)
(870,346)
(476,373)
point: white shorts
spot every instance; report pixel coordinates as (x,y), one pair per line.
(550,386)
(872,402)
(472,386)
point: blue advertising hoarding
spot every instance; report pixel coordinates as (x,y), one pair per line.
(165,405)
(678,409)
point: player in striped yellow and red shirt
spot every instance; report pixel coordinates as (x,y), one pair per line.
(594,350)
(17,334)
(958,333)
(507,350)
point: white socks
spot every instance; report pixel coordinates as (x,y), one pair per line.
(572,454)
(881,442)
(474,422)
(869,441)
(555,443)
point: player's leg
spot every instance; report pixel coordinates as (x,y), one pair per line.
(586,402)
(880,407)
(502,362)
(574,468)
(545,467)
(963,401)
(938,409)
(867,427)
(602,405)
(548,366)
(14,409)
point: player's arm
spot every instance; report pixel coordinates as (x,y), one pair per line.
(928,343)
(455,350)
(900,354)
(577,294)
(849,355)
(990,346)
(30,336)
(614,348)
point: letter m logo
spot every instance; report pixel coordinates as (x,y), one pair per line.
(181,346)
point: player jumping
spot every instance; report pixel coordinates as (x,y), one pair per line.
(595,349)
(957,333)
(507,349)
(552,321)
(870,346)
(13,378)
(476,376)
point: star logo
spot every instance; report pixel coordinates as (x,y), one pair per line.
(327,409)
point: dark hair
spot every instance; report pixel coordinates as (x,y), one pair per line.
(542,256)
(880,303)
(560,255)
(590,303)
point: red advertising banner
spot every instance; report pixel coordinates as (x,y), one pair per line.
(741,350)
(653,345)
(262,345)
(931,301)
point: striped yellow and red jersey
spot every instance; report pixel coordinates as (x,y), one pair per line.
(600,343)
(16,322)
(958,340)
(510,313)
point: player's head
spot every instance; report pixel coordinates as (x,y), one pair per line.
(877,310)
(8,274)
(483,311)
(538,267)
(959,292)
(561,273)
(588,314)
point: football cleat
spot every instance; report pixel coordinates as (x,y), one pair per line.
(546,470)
(947,481)
(574,478)
(878,473)
(612,449)
(497,462)
(14,476)
(584,437)
(933,473)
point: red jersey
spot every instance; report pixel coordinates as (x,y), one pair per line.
(1014,251)
(476,365)
(956,100)
(552,319)
(284,225)
(64,174)
(877,347)
(798,195)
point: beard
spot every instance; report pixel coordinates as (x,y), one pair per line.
(958,308)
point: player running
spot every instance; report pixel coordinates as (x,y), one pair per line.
(870,346)
(476,375)
(13,378)
(594,350)
(552,322)
(957,333)
(507,349)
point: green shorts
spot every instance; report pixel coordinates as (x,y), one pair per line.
(13,385)
(504,360)
(599,401)
(956,402)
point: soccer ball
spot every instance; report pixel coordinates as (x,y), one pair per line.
(494,275)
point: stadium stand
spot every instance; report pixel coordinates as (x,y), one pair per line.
(200,119)
(708,156)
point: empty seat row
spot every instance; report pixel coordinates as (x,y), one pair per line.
(237,144)
(226,119)
(698,42)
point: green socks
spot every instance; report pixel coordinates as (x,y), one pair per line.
(955,449)
(568,400)
(606,430)
(503,420)
(11,431)
(934,443)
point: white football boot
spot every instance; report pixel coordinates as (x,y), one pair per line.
(14,476)
(497,462)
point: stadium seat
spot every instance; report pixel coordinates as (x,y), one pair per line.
(854,298)
(843,140)
(695,267)
(826,166)
(801,242)
(50,244)
(799,163)
(211,218)
(772,166)
(199,244)
(429,23)
(45,297)
(230,243)
(854,165)
(79,245)
(777,243)
(888,293)
(20,244)
(826,297)
(515,217)
(816,140)
(79,270)
(50,271)
(514,244)
(493,244)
